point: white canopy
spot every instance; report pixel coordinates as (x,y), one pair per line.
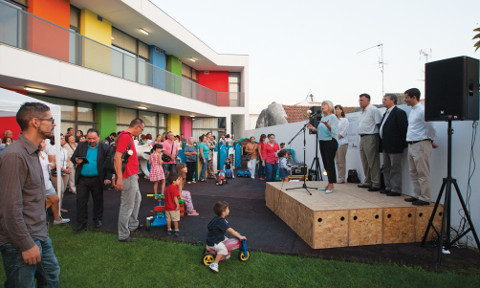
(11,101)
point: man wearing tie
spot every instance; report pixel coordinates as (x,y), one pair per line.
(393,133)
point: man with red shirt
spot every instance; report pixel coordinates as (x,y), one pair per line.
(127,181)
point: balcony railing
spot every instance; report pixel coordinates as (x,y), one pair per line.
(29,32)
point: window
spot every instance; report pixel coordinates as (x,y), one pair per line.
(234,88)
(74,18)
(77,114)
(189,73)
(124,41)
(155,123)
(202,126)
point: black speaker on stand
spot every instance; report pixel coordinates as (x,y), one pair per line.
(451,93)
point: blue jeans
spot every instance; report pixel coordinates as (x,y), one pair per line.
(204,169)
(20,274)
(168,168)
(261,170)
(271,171)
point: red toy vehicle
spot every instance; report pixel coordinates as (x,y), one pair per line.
(231,244)
(221,178)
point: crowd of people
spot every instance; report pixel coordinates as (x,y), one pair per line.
(88,166)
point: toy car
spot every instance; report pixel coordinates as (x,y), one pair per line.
(247,174)
(240,173)
(231,244)
(221,178)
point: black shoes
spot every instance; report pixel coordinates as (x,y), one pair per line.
(129,239)
(363,186)
(383,191)
(373,189)
(420,203)
(81,227)
(98,224)
(411,199)
(394,194)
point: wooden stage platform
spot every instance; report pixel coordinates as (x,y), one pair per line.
(350,216)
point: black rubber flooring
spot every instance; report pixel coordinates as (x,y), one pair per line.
(264,230)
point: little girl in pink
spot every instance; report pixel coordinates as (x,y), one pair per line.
(156,170)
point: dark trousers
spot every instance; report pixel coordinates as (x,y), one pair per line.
(85,186)
(190,170)
(168,168)
(327,152)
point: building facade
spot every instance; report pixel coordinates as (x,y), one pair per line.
(107,62)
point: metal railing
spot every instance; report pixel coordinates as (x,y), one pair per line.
(29,32)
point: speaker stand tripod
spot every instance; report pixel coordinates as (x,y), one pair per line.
(315,166)
(444,236)
(304,186)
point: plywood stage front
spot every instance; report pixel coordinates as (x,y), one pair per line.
(350,216)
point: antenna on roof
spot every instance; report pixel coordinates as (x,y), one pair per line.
(309,95)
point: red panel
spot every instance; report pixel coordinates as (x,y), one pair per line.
(47,39)
(217,81)
(9,123)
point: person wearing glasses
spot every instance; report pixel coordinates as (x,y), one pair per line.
(24,241)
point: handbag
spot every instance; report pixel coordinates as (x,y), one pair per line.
(166,158)
(353,176)
(248,157)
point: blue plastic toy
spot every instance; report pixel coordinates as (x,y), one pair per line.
(157,217)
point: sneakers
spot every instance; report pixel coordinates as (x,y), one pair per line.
(61,221)
(177,233)
(169,232)
(214,267)
(188,182)
(194,181)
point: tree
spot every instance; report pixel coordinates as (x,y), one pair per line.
(476,37)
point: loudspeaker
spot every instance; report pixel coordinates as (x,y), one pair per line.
(315,120)
(451,89)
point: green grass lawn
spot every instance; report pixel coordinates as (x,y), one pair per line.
(97,259)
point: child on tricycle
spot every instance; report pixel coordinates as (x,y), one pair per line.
(218,245)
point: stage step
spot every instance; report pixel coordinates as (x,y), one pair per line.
(350,216)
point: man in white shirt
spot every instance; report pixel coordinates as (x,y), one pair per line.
(370,120)
(420,136)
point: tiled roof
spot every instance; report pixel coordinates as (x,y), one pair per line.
(296,113)
(299,113)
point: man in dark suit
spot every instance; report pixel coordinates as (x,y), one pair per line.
(393,133)
(90,178)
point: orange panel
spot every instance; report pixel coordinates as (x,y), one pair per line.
(45,38)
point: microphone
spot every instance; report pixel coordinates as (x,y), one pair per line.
(309,112)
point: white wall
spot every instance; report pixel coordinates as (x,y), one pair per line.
(461,140)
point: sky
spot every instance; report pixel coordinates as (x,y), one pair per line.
(295,47)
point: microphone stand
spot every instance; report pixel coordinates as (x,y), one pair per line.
(304,186)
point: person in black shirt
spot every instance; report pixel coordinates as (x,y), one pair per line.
(216,232)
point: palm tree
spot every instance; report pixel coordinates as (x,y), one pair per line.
(477,45)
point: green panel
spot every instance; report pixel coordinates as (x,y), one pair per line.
(174,84)
(106,119)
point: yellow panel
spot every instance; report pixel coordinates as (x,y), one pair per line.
(173,123)
(96,56)
(92,27)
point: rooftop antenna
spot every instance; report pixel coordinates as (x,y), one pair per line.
(427,53)
(309,95)
(380,63)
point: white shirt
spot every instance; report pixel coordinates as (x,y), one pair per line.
(385,120)
(342,130)
(45,169)
(418,128)
(369,119)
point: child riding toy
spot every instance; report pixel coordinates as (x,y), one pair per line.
(231,244)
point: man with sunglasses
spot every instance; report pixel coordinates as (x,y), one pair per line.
(26,249)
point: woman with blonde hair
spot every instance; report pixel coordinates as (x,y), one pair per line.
(327,132)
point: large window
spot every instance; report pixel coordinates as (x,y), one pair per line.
(234,88)
(76,114)
(155,123)
(189,73)
(202,126)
